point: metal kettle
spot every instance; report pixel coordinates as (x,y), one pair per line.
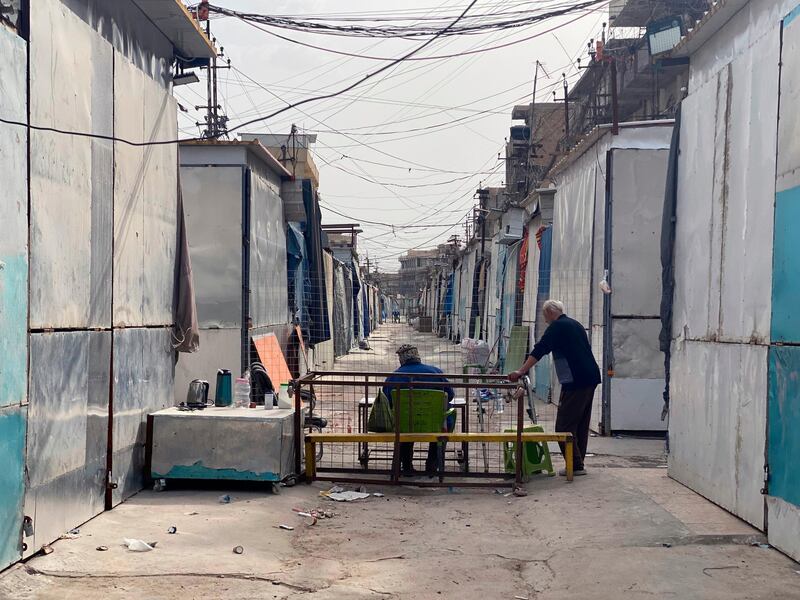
(198,393)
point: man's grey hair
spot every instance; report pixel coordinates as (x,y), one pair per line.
(554,306)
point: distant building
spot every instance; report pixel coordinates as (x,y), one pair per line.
(416,265)
(527,163)
(293,151)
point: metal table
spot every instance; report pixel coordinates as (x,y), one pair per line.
(239,444)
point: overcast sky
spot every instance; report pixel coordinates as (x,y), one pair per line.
(427,176)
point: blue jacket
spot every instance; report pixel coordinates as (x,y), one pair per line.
(417,373)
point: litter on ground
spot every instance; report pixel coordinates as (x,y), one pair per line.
(344,496)
(137,545)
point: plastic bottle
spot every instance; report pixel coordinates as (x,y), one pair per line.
(242,391)
(284,401)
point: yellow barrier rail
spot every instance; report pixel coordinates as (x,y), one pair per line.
(311,439)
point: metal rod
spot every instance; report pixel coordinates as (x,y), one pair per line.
(456,474)
(428,384)
(433,484)
(518,458)
(298,430)
(492,437)
(465,376)
(566,110)
(614,100)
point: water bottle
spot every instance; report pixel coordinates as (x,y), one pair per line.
(242,391)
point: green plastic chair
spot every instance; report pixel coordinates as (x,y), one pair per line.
(423,411)
(535,455)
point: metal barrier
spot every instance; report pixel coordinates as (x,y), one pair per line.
(350,456)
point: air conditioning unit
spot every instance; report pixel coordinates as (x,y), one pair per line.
(511,225)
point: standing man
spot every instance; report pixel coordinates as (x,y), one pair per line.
(577,373)
(413,370)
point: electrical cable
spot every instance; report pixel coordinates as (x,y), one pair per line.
(436,57)
(466,27)
(355,84)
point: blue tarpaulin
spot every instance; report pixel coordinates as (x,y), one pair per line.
(365,298)
(448,296)
(319,327)
(357,321)
(297,274)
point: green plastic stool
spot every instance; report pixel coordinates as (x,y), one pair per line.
(535,455)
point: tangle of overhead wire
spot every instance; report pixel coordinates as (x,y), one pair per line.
(469,25)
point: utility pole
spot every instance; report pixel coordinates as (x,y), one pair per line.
(531,127)
(216,125)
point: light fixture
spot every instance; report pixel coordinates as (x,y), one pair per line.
(664,35)
(184,78)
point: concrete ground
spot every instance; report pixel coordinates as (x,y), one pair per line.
(619,532)
(623,531)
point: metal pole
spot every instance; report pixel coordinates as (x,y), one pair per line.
(614,102)
(566,108)
(298,430)
(531,146)
(209,94)
(365,446)
(518,453)
(215,109)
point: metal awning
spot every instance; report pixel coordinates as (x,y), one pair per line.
(175,21)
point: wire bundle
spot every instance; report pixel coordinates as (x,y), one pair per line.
(410,27)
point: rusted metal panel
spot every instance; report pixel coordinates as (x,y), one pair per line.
(67,431)
(71,176)
(718,411)
(724,206)
(212,199)
(145,200)
(144,377)
(639,177)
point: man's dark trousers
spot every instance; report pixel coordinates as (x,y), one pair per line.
(574,415)
(407,456)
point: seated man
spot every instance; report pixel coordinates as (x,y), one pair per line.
(412,369)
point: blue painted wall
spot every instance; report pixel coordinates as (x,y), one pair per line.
(13,293)
(13,329)
(784,360)
(12,489)
(786,268)
(784,422)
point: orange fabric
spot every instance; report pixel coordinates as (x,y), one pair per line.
(271,355)
(523,260)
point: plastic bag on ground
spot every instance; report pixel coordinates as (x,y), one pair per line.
(137,545)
